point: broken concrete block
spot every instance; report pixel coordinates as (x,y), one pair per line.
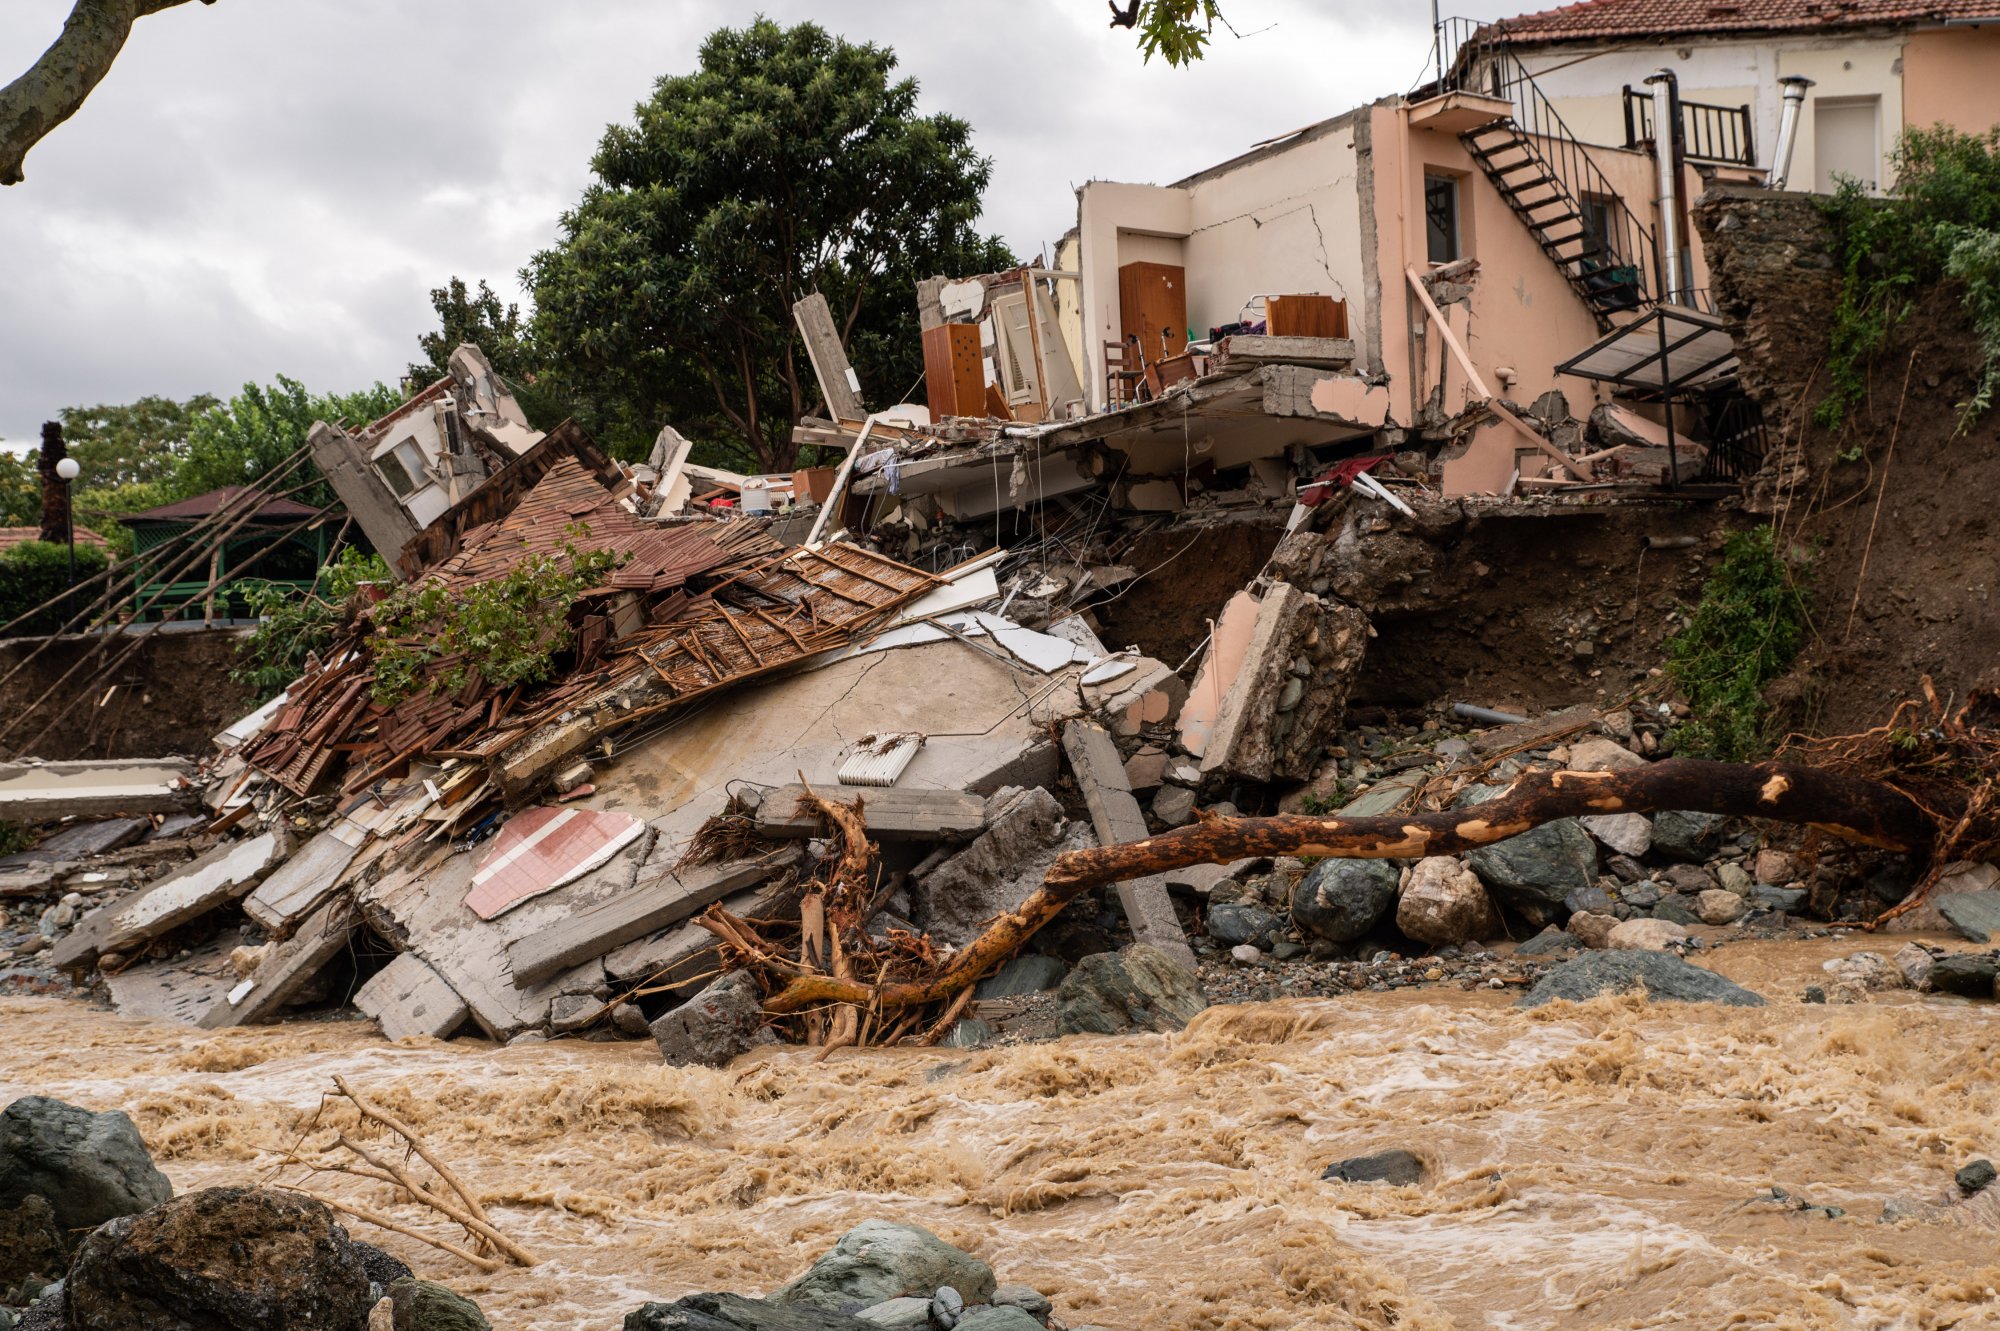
(1115,817)
(408,998)
(1174,805)
(1272,722)
(298,885)
(217,878)
(998,871)
(286,970)
(714,1026)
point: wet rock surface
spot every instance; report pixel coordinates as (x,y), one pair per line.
(879,1260)
(90,1167)
(1660,975)
(1139,988)
(223,1259)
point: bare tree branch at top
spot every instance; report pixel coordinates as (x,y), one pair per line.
(56,85)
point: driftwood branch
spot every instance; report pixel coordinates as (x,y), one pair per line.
(1846,806)
(55,86)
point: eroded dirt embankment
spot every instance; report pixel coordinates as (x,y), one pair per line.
(1895,507)
(1594,1165)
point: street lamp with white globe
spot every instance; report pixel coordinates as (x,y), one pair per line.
(67,471)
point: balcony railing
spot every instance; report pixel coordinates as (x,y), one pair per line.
(1710,133)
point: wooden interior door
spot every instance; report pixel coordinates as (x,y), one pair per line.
(1152,302)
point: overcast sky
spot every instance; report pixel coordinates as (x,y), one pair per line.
(262,187)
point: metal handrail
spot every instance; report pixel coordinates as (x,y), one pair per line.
(1470,59)
(1709,132)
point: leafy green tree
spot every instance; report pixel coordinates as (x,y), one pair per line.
(134,443)
(788,162)
(20,488)
(238,441)
(292,625)
(496,329)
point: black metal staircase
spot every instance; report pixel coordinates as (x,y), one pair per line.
(1579,220)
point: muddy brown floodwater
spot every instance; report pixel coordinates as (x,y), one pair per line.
(1594,1164)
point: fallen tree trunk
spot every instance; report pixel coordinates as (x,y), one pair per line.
(1848,807)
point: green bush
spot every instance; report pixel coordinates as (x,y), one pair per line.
(1749,626)
(37,571)
(1942,220)
(292,624)
(507,630)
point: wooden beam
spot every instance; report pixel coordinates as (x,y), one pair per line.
(1114,813)
(890,813)
(829,358)
(1479,387)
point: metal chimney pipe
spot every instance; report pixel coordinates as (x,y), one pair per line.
(1794,86)
(1666,116)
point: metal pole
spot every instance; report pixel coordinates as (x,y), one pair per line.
(1667,394)
(1664,156)
(1794,86)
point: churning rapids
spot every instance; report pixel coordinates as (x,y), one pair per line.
(1593,1166)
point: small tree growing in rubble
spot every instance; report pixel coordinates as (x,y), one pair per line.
(788,162)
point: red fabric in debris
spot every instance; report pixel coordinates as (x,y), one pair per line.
(1338,477)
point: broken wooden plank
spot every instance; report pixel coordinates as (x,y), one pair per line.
(408,998)
(217,878)
(286,969)
(652,904)
(296,887)
(33,793)
(1114,813)
(890,813)
(829,359)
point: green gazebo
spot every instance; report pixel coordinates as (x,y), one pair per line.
(283,550)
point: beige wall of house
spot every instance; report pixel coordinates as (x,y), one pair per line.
(1953,75)
(1858,100)
(1282,219)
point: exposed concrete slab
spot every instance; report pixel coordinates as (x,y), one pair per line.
(217,878)
(408,998)
(422,904)
(298,885)
(660,898)
(81,840)
(43,792)
(1115,814)
(987,723)
(683,959)
(175,990)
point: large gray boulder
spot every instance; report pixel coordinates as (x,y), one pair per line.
(1025,831)
(1686,837)
(733,1312)
(223,1259)
(91,1167)
(423,1306)
(1661,975)
(1535,871)
(1341,900)
(879,1260)
(1139,988)
(714,1026)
